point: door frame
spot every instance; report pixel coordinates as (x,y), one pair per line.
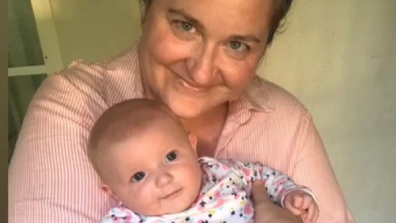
(49,42)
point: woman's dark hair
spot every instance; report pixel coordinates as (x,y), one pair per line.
(281,8)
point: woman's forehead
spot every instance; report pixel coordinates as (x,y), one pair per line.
(244,16)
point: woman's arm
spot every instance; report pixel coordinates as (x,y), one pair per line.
(313,169)
(50,178)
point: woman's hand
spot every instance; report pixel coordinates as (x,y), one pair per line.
(267,212)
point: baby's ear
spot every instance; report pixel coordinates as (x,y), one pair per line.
(193,140)
(108,191)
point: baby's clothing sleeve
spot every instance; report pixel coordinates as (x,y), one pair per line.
(277,184)
(121,214)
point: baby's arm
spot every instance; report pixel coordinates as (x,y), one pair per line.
(300,200)
(277,184)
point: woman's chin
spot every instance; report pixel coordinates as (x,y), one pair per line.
(186,110)
(186,113)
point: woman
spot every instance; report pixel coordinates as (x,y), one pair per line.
(199,57)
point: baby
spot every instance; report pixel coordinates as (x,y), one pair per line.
(149,163)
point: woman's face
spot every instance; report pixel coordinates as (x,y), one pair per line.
(198,54)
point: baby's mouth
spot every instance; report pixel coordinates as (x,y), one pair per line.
(172,194)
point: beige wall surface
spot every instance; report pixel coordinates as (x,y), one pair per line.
(95,30)
(339,58)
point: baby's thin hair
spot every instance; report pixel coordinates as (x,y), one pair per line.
(122,121)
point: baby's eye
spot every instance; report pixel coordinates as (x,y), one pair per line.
(171,156)
(138,177)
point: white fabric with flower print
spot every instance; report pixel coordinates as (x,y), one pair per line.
(224,196)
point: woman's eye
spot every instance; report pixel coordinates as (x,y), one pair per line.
(186,26)
(138,177)
(238,46)
(171,156)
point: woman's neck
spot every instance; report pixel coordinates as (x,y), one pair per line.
(215,115)
(208,127)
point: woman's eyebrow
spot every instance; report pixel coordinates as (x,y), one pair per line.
(196,22)
(246,38)
(188,17)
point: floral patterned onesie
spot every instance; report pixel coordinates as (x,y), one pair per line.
(224,196)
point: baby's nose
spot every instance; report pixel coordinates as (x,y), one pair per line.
(164,179)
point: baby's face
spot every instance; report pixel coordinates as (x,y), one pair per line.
(156,172)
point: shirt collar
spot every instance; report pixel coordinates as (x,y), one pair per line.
(256,96)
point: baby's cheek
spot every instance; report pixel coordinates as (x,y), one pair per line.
(141,200)
(191,177)
(187,169)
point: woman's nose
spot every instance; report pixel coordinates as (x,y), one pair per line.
(200,65)
(163,179)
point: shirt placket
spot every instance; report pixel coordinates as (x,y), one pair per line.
(238,115)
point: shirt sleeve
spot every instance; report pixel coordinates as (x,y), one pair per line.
(277,184)
(313,169)
(50,176)
(121,215)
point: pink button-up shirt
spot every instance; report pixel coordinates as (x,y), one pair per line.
(51,179)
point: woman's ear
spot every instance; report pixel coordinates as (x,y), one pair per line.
(105,188)
(193,140)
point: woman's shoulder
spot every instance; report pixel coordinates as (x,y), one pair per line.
(276,124)
(94,78)
(274,99)
(92,87)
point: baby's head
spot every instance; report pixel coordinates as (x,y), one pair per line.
(145,158)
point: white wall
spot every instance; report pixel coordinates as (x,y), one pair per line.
(339,58)
(94,30)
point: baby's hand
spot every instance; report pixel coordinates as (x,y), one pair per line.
(302,203)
